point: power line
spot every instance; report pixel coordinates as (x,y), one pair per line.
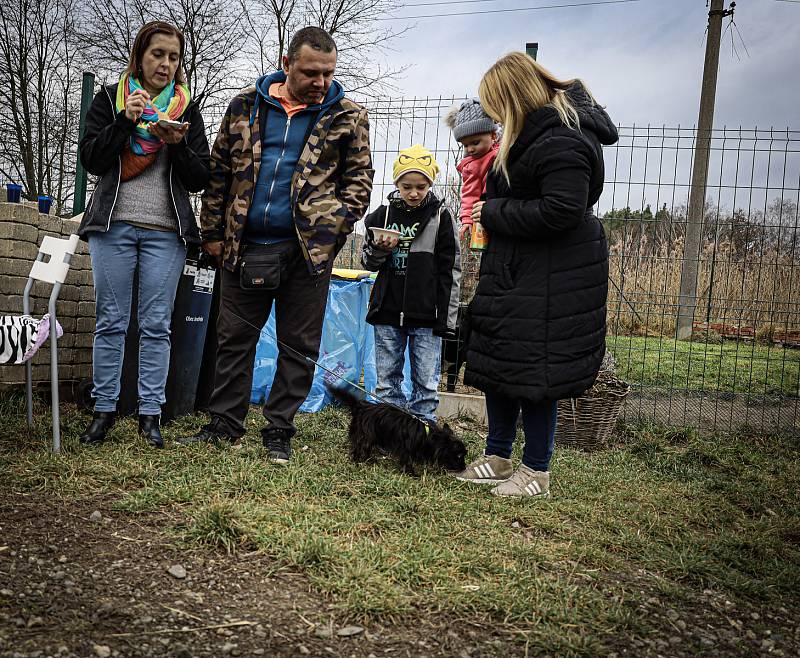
(732,23)
(504,11)
(446,2)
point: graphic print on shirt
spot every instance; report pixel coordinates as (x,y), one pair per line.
(400,252)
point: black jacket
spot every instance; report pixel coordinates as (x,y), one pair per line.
(106,134)
(537,323)
(433,270)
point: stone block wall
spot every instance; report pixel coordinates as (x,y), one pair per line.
(22,229)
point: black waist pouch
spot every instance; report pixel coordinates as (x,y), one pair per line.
(260,271)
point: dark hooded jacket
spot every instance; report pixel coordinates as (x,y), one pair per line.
(270,217)
(105,136)
(423,292)
(537,323)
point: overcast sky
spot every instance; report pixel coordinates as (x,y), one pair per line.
(643,60)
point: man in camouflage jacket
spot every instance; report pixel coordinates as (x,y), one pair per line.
(291,173)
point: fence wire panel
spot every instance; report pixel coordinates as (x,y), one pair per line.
(399,123)
(742,363)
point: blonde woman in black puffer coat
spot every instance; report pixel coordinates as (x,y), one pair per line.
(537,323)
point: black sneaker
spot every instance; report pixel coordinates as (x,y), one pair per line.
(278,444)
(209,434)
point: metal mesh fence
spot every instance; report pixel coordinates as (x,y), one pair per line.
(741,365)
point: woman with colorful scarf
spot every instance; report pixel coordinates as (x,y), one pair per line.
(146,142)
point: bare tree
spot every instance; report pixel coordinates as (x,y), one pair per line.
(37,100)
(215,34)
(46,44)
(107,30)
(214,31)
(66,114)
(355,24)
(271,24)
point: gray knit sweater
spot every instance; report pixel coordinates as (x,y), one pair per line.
(145,200)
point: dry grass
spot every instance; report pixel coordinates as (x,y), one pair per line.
(755,290)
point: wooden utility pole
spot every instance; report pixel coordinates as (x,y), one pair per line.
(687,300)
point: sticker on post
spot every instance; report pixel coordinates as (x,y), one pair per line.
(190,267)
(204,280)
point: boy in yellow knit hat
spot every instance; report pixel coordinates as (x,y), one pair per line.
(414,301)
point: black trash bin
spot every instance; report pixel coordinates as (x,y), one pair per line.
(190,321)
(205,384)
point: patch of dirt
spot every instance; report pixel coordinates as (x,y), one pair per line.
(711,624)
(73,584)
(78,579)
(705,623)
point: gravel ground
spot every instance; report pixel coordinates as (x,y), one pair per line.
(78,579)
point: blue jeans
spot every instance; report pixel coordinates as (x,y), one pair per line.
(538,421)
(115,254)
(425,355)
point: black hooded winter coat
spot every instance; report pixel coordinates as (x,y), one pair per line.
(537,323)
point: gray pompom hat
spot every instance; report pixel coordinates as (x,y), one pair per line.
(469,118)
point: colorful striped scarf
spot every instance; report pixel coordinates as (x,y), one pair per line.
(143,148)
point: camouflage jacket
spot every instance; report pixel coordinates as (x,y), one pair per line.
(331,184)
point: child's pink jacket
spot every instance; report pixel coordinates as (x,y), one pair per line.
(473,180)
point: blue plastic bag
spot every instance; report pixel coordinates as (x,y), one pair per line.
(344,337)
(265,362)
(342,346)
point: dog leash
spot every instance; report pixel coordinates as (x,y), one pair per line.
(328,370)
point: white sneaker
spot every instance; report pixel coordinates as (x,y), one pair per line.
(487,469)
(525,483)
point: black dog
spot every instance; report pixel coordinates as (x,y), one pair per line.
(393,431)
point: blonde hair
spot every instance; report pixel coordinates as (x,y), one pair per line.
(515,86)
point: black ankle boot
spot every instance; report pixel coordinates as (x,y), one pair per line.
(149,428)
(102,421)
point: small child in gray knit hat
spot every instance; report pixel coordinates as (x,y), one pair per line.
(478,134)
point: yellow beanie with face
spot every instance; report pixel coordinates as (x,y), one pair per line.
(415,158)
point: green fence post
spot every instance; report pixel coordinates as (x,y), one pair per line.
(79,198)
(532,49)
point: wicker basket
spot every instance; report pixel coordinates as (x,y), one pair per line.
(586,422)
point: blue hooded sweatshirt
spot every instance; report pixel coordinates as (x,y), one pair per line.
(270,219)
